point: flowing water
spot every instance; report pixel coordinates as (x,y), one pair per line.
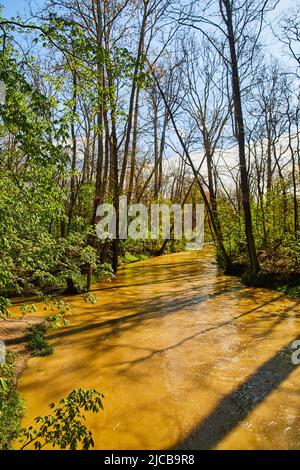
(186,358)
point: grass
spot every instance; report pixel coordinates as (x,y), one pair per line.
(132,258)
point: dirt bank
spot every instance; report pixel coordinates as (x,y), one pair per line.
(14,333)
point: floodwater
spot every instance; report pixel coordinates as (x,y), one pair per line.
(187,358)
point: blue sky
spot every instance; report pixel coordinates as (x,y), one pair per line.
(13,7)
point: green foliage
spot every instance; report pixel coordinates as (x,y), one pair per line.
(89,298)
(132,258)
(34,253)
(64,428)
(290,291)
(11,405)
(30,194)
(104,270)
(37,344)
(47,203)
(278,246)
(27,309)
(4,305)
(59,311)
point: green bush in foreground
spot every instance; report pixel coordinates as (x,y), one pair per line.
(11,405)
(64,428)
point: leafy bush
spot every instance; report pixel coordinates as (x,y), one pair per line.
(64,428)
(281,256)
(4,304)
(89,298)
(11,405)
(37,344)
(290,291)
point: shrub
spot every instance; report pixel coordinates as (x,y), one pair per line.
(89,298)
(64,428)
(290,291)
(11,405)
(37,344)
(4,312)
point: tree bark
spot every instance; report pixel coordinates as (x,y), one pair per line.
(238,111)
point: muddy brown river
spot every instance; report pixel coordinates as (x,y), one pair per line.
(186,357)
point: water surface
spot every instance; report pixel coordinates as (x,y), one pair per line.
(185,356)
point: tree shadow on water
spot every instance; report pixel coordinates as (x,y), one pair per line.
(236,406)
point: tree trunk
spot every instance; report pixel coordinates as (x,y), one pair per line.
(238,111)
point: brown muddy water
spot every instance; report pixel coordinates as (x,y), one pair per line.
(187,358)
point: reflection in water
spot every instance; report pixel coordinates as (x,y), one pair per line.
(185,357)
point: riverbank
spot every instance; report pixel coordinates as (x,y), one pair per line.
(279,271)
(14,333)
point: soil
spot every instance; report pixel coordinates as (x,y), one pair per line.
(14,333)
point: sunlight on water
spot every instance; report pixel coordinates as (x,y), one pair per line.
(185,357)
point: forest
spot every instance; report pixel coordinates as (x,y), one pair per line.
(164,102)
